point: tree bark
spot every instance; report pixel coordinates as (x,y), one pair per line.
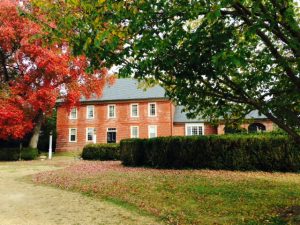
(3,65)
(36,131)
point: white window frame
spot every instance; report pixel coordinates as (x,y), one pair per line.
(115,111)
(86,134)
(137,109)
(87,111)
(149,128)
(131,131)
(194,125)
(149,109)
(70,115)
(70,134)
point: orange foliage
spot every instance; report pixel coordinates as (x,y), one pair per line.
(37,75)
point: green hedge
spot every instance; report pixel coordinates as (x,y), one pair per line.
(230,152)
(101,152)
(13,154)
(9,154)
(29,153)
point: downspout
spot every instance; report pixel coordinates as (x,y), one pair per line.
(171,105)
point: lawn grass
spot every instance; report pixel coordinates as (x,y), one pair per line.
(74,153)
(187,196)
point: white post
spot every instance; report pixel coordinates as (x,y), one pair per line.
(50,146)
(94,138)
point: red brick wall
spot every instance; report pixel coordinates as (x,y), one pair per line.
(209,129)
(268,124)
(122,123)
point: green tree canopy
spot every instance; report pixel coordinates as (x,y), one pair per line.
(219,58)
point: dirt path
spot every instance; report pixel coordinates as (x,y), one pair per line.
(23,203)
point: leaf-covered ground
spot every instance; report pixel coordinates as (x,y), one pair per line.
(187,196)
(23,203)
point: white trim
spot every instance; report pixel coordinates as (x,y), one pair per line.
(149,108)
(87,112)
(131,133)
(114,129)
(194,125)
(155,127)
(115,111)
(71,114)
(86,134)
(70,134)
(137,109)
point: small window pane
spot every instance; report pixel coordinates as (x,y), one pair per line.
(152,132)
(194,130)
(134,110)
(111,112)
(134,132)
(73,134)
(90,134)
(152,109)
(73,113)
(90,112)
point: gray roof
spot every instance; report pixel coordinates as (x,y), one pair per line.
(128,89)
(181,117)
(255,115)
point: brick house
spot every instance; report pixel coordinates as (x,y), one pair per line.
(126,111)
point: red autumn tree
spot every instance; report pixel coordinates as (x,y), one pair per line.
(34,75)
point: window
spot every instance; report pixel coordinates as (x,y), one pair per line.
(111,135)
(152,129)
(194,129)
(72,135)
(134,111)
(90,114)
(152,109)
(111,111)
(134,131)
(90,134)
(73,114)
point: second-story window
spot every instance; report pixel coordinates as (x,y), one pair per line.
(152,109)
(73,114)
(111,111)
(90,112)
(134,110)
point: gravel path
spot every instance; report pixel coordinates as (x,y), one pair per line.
(23,203)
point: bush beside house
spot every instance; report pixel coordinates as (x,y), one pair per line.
(229,152)
(14,154)
(101,152)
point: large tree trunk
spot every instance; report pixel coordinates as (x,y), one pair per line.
(36,131)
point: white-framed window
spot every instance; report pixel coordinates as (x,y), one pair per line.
(152,109)
(90,112)
(152,131)
(90,133)
(192,129)
(72,134)
(73,114)
(134,132)
(134,110)
(111,111)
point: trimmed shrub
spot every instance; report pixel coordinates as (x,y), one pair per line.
(101,152)
(29,153)
(231,152)
(14,154)
(9,154)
